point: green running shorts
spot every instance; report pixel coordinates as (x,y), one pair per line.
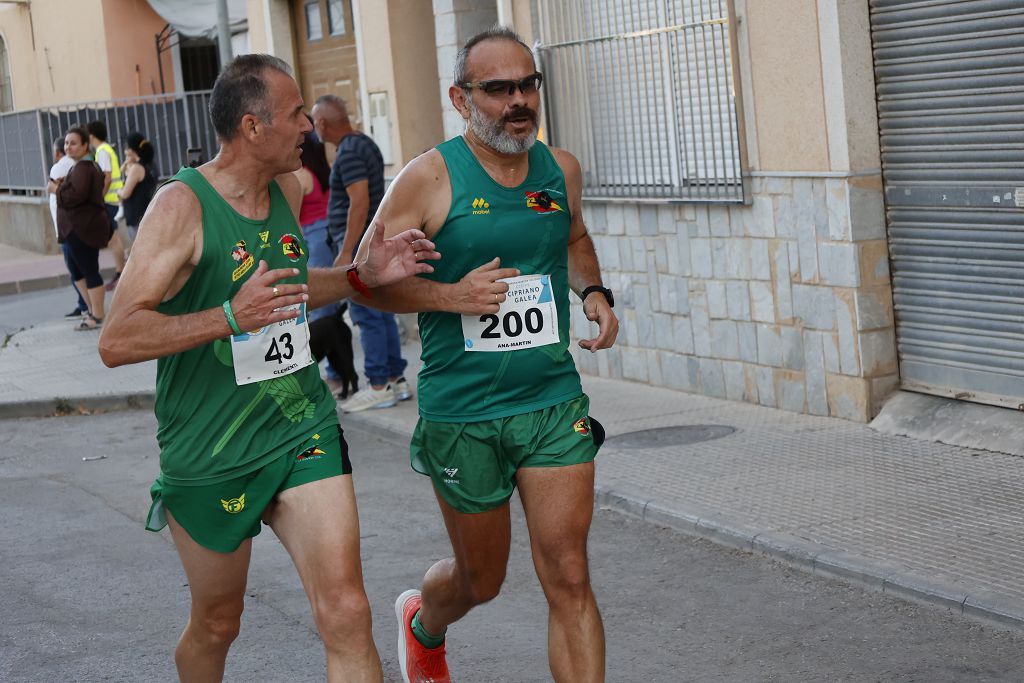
(220,516)
(473,464)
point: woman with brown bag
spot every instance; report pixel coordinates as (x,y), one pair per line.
(82,223)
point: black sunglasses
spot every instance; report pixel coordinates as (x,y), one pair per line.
(527,86)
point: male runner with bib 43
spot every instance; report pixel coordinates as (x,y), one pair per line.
(500,400)
(217,289)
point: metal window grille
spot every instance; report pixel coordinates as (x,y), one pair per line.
(179,127)
(642,92)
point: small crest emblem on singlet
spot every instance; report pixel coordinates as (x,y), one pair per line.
(234,506)
(243,258)
(265,236)
(542,202)
(291,247)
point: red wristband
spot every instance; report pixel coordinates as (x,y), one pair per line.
(352,273)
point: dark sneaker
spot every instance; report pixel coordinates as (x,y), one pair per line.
(76,313)
(419,664)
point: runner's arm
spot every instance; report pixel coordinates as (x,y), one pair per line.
(386,261)
(420,196)
(167,249)
(584,269)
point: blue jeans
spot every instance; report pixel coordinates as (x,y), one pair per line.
(82,306)
(320,256)
(382,346)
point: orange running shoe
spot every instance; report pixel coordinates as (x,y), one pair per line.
(419,664)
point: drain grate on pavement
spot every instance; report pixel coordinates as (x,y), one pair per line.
(668,437)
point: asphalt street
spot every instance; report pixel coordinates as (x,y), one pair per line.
(90,596)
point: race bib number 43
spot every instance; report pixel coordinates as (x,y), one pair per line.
(272,351)
(526,319)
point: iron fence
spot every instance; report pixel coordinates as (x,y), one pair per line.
(642,91)
(178,125)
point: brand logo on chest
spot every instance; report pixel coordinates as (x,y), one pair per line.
(481,206)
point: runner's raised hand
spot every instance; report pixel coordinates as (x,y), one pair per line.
(395,258)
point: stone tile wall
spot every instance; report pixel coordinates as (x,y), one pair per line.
(455,22)
(785,302)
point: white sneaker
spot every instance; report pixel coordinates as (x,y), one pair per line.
(370,398)
(402,390)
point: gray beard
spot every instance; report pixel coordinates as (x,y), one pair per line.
(494,135)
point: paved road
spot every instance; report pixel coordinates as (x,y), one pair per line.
(88,595)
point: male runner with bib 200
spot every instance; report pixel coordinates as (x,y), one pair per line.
(218,289)
(500,399)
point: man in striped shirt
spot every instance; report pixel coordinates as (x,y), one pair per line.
(357,187)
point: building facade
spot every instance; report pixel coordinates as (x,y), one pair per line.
(804,204)
(56,53)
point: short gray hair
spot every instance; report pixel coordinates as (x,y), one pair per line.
(240,89)
(333,102)
(496,32)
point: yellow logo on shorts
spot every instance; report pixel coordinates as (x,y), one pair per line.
(235,505)
(582,427)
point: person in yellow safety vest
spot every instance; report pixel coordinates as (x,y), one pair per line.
(108,162)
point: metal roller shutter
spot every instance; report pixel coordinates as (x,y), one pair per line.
(950,81)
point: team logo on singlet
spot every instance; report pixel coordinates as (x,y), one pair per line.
(234,506)
(243,258)
(265,237)
(541,201)
(581,427)
(481,206)
(291,247)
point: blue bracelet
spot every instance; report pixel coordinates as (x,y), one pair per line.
(231,317)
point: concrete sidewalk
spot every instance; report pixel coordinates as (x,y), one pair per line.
(922,520)
(29,271)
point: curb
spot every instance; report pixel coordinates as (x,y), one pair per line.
(821,560)
(83,405)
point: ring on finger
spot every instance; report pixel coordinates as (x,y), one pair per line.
(496,297)
(276,291)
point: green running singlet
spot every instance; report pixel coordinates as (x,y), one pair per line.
(528,227)
(211,429)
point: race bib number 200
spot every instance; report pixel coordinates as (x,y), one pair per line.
(528,318)
(272,351)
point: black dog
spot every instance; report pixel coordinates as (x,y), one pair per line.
(331,337)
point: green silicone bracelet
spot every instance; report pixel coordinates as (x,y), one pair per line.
(231,317)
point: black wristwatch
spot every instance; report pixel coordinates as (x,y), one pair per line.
(598,288)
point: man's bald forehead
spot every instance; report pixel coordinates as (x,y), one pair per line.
(495,33)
